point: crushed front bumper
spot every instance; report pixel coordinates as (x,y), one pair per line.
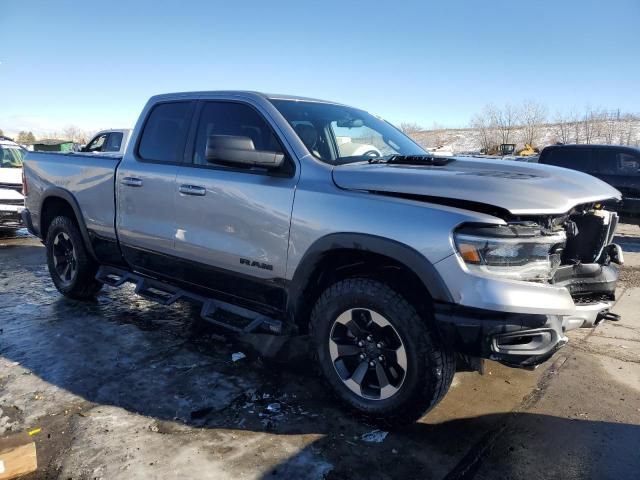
(520,340)
(529,338)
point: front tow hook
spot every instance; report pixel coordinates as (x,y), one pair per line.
(607,315)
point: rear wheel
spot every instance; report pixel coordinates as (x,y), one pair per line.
(377,354)
(71,269)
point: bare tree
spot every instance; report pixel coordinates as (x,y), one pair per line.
(75,134)
(410,127)
(505,120)
(562,128)
(483,123)
(611,126)
(590,125)
(533,116)
(25,137)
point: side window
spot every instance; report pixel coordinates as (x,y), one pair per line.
(165,132)
(228,119)
(629,164)
(96,144)
(114,142)
(613,162)
(574,158)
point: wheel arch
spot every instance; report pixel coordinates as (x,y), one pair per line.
(340,255)
(57,201)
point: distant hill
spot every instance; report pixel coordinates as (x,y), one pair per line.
(621,132)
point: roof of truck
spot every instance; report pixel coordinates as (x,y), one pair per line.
(244,93)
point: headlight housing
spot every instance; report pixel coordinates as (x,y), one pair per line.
(517,252)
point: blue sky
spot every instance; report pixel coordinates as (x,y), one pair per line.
(94,64)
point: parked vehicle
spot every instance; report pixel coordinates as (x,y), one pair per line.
(397,265)
(617,165)
(111,142)
(11,199)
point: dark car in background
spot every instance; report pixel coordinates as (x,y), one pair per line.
(617,165)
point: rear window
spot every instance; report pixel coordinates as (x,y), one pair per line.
(574,158)
(615,162)
(165,132)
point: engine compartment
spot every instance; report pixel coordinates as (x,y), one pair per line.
(587,262)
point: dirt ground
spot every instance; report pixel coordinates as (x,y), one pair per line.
(126,389)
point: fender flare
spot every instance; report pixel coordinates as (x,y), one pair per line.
(66,195)
(397,251)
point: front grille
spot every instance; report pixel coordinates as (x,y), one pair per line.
(12,186)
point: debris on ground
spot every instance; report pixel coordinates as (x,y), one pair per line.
(274,407)
(237,356)
(375,436)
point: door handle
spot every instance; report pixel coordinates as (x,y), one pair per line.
(193,190)
(131,181)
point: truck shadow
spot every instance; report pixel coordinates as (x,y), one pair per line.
(165,364)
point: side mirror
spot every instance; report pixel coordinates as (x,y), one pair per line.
(240,151)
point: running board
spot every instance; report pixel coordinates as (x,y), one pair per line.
(226,315)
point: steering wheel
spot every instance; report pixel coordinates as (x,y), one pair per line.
(371,153)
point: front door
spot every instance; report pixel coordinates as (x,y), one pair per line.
(232,223)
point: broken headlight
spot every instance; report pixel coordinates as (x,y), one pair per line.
(516,252)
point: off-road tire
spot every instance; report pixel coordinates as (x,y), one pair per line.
(84,285)
(430,366)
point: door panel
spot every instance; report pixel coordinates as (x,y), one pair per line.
(233,219)
(146,209)
(146,183)
(241,224)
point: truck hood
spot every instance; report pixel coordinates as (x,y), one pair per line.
(520,188)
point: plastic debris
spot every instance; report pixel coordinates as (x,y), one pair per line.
(274,407)
(237,356)
(375,436)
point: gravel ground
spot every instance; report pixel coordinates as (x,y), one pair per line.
(124,388)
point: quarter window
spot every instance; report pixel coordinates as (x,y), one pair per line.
(165,132)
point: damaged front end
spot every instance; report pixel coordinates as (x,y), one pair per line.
(548,257)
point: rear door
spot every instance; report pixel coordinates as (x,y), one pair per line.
(145,187)
(232,224)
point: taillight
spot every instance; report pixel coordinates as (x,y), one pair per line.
(25,188)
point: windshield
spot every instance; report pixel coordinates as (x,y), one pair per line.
(338,134)
(11,157)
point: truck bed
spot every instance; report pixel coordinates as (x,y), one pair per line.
(88,177)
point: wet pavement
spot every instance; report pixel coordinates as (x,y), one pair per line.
(125,388)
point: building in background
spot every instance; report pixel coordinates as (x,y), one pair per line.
(53,145)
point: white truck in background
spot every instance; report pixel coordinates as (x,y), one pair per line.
(108,142)
(11,198)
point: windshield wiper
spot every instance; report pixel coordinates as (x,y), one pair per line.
(413,160)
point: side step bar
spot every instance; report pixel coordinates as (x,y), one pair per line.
(226,315)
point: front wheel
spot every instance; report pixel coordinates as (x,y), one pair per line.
(71,269)
(377,354)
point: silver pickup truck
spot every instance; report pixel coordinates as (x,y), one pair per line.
(400,266)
